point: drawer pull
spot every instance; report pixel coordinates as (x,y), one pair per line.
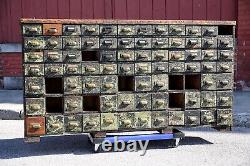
(224,99)
(125,42)
(225,54)
(192,101)
(108,104)
(160,29)
(208,118)
(108,121)
(143,120)
(176,68)
(126,56)
(52,30)
(208,82)
(72,85)
(159,102)
(209,54)
(125,69)
(109,68)
(109,86)
(159,120)
(208,67)
(126,30)
(91,30)
(70,29)
(160,55)
(225,116)
(191,67)
(143,68)
(71,56)
(35,126)
(224,82)
(35,107)
(192,118)
(33,43)
(53,56)
(91,124)
(143,85)
(34,87)
(193,31)
(224,42)
(159,84)
(34,70)
(192,42)
(160,68)
(34,56)
(207,100)
(142,55)
(71,43)
(32,29)
(73,124)
(177,30)
(107,42)
(53,69)
(55,125)
(126,102)
(90,69)
(160,43)
(72,105)
(210,31)
(107,30)
(142,42)
(224,67)
(143,102)
(89,43)
(126,122)
(72,69)
(209,42)
(176,56)
(142,30)
(176,43)
(53,43)
(90,85)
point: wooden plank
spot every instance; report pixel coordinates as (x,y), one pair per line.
(63,9)
(75,10)
(108,9)
(199,9)
(159,11)
(133,7)
(52,8)
(173,9)
(186,9)
(99,10)
(16,13)
(87,9)
(146,9)
(120,9)
(228,10)
(213,9)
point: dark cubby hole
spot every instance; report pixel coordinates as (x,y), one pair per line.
(225,30)
(54,85)
(54,104)
(125,83)
(90,56)
(192,81)
(176,100)
(175,82)
(91,103)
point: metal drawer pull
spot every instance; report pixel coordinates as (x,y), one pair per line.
(143,68)
(90,30)
(193,54)
(176,56)
(192,118)
(125,42)
(32,29)
(177,30)
(53,56)
(209,42)
(143,120)
(90,69)
(193,31)
(207,100)
(208,67)
(72,85)
(35,125)
(34,87)
(108,56)
(208,82)
(192,42)
(224,99)
(90,85)
(73,124)
(53,70)
(72,69)
(71,43)
(109,68)
(159,102)
(142,42)
(224,82)
(143,102)
(72,105)
(209,54)
(160,43)
(33,43)
(109,104)
(208,118)
(70,29)
(52,30)
(225,54)
(159,120)
(108,121)
(160,68)
(176,43)
(159,84)
(192,101)
(107,42)
(126,122)
(126,56)
(224,67)
(191,67)
(224,116)
(34,70)
(160,55)
(125,69)
(160,29)
(143,85)
(210,31)
(89,43)
(55,125)
(142,55)
(107,30)
(71,56)
(176,68)
(109,85)
(91,124)
(126,102)
(224,42)
(126,30)
(35,107)
(34,56)
(53,43)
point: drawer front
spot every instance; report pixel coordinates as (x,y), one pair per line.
(160,101)
(225,42)
(160,55)
(126,30)
(126,102)
(142,101)
(176,118)
(160,30)
(126,120)
(91,122)
(143,29)
(33,43)
(192,118)
(126,69)
(209,55)
(34,69)
(73,124)
(34,85)
(224,81)
(208,81)
(89,43)
(52,29)
(176,67)
(193,42)
(109,121)
(72,56)
(71,43)
(53,69)
(193,30)
(142,43)
(176,42)
(143,55)
(91,84)
(142,120)
(160,82)
(208,99)
(108,43)
(109,84)
(35,106)
(209,42)
(225,67)
(71,30)
(224,117)
(142,83)
(126,55)
(192,67)
(159,67)
(159,43)
(108,56)
(142,68)
(90,68)
(73,104)
(72,69)
(53,56)
(54,124)
(225,55)
(108,103)
(72,85)
(33,57)
(108,68)
(159,119)
(109,30)
(208,67)
(124,43)
(176,55)
(53,43)
(209,30)
(176,30)
(35,126)
(193,55)
(208,116)
(32,29)
(192,99)
(90,30)
(224,99)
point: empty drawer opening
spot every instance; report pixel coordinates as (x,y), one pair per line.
(192,82)
(54,85)
(91,103)
(126,83)
(225,30)
(176,100)
(90,55)
(54,105)
(175,82)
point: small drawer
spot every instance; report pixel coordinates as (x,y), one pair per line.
(34,69)
(108,43)
(159,67)
(126,69)
(143,101)
(159,119)
(160,55)
(176,55)
(108,103)
(53,69)
(73,124)
(90,68)
(53,56)
(126,55)
(69,30)
(35,106)
(73,85)
(109,121)
(208,67)
(108,30)
(176,67)
(36,43)
(72,69)
(193,30)
(224,99)
(89,43)
(108,56)
(176,43)
(71,43)
(193,55)
(193,67)
(124,43)
(72,56)
(52,29)
(53,43)
(126,120)
(209,30)
(34,86)
(91,84)
(192,99)
(209,42)
(108,68)
(142,43)
(226,55)
(192,118)
(143,120)
(143,55)
(224,117)
(160,30)
(160,82)
(176,118)
(225,42)
(126,30)
(33,57)
(225,81)
(126,102)
(193,43)
(208,81)
(208,116)
(208,99)
(176,30)
(225,67)
(142,68)
(91,122)
(88,30)
(54,124)
(143,29)
(142,83)
(35,126)
(209,55)
(159,43)
(109,84)
(73,104)
(32,29)
(160,101)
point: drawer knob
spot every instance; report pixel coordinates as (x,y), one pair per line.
(208,82)
(34,70)
(33,43)
(224,99)
(34,87)
(91,30)
(125,42)
(143,102)
(90,69)
(35,126)
(70,29)
(192,101)
(192,42)
(126,30)
(72,85)
(208,100)
(143,68)
(160,68)
(126,56)
(142,42)
(159,84)
(160,29)
(55,125)
(109,85)
(34,56)
(192,118)
(125,69)
(89,43)
(143,85)
(53,43)
(107,42)
(72,69)
(73,124)
(109,68)
(210,31)
(35,107)
(53,69)
(108,121)
(72,105)
(126,122)
(159,43)
(90,85)
(52,30)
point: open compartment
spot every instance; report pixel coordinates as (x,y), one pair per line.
(176,82)
(225,30)
(193,82)
(91,103)
(54,85)
(54,105)
(125,83)
(90,55)
(176,100)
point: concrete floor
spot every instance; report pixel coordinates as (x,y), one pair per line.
(201,146)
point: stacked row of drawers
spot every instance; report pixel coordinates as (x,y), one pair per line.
(88,77)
